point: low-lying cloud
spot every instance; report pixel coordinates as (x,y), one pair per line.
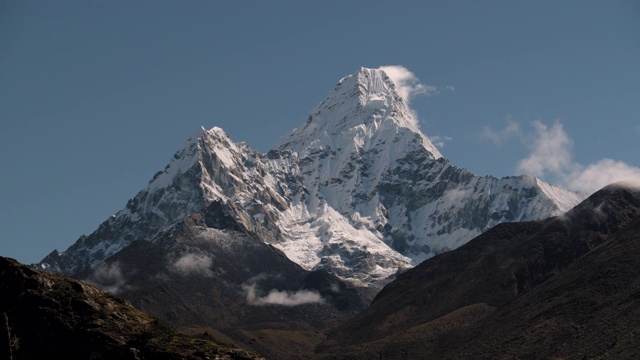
(550,155)
(108,277)
(193,264)
(284,298)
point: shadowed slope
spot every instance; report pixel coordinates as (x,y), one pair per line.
(492,289)
(201,273)
(52,316)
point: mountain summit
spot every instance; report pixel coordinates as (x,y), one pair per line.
(363,110)
(358,190)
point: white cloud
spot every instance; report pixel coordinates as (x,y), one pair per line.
(450,88)
(193,264)
(407,83)
(439,140)
(499,137)
(452,196)
(284,298)
(550,155)
(550,151)
(601,173)
(108,277)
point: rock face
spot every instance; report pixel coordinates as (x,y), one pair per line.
(564,287)
(46,316)
(358,191)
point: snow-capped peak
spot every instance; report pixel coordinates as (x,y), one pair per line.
(363,108)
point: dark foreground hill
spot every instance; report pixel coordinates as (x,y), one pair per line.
(45,316)
(566,287)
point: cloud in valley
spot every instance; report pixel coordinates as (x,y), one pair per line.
(284,298)
(550,155)
(108,277)
(193,264)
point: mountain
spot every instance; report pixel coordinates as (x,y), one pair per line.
(203,274)
(565,287)
(357,191)
(199,265)
(46,316)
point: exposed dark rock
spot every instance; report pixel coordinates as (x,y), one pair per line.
(45,316)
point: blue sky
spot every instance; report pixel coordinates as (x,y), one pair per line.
(96,96)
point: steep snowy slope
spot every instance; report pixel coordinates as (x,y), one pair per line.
(362,155)
(358,190)
(208,168)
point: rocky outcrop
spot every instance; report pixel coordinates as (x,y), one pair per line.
(45,316)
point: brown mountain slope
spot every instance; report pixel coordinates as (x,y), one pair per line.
(590,310)
(50,316)
(478,300)
(204,276)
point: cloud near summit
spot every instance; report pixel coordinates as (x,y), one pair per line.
(407,83)
(408,86)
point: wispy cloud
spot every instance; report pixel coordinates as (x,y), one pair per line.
(193,264)
(456,195)
(550,151)
(501,136)
(284,298)
(601,173)
(439,140)
(108,277)
(550,156)
(407,83)
(408,86)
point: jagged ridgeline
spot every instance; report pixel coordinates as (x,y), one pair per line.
(357,190)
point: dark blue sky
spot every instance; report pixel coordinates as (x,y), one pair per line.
(95,96)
